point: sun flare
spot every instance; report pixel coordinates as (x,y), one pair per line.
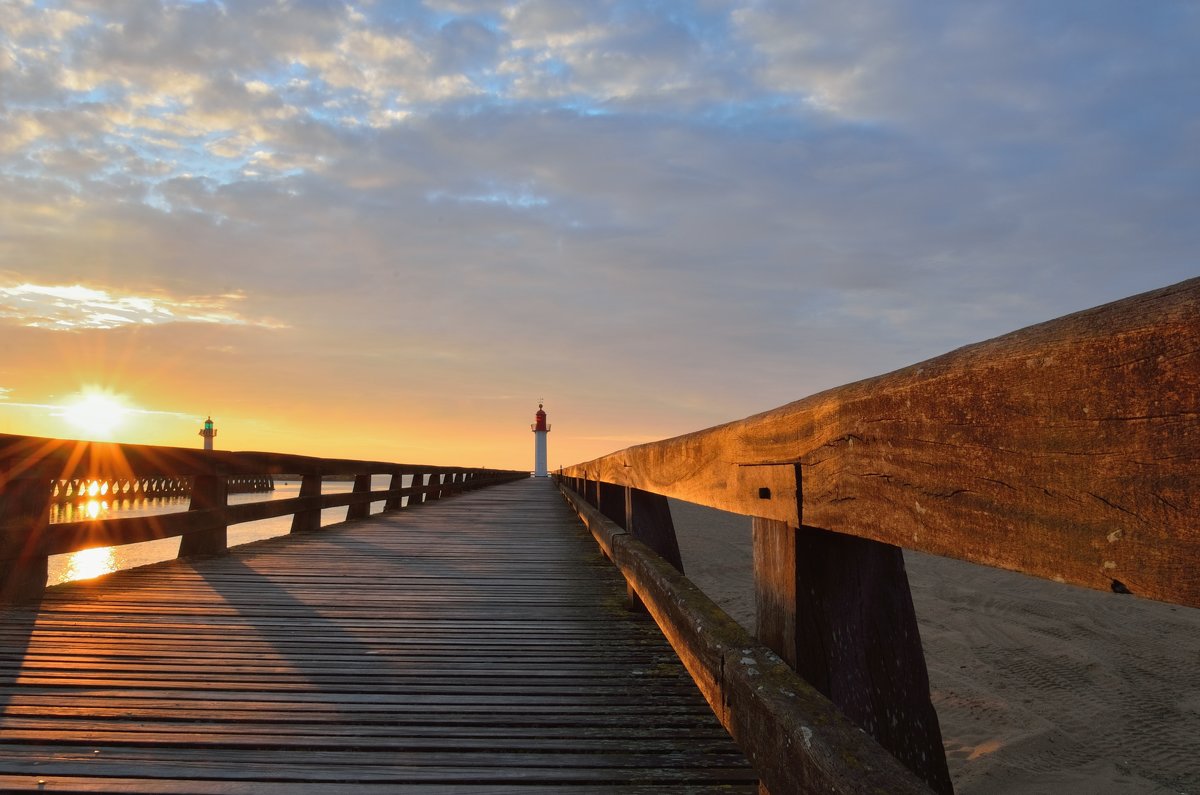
(97,413)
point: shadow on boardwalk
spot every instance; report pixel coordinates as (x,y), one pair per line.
(474,645)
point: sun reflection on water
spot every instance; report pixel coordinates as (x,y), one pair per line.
(89,563)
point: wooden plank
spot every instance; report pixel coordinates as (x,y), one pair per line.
(192,786)
(795,737)
(1066,450)
(476,643)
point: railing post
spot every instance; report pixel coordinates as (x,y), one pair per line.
(360,510)
(435,484)
(395,501)
(25,513)
(418,483)
(611,501)
(648,519)
(838,609)
(308,519)
(209,492)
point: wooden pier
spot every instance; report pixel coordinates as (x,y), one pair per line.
(479,644)
(472,638)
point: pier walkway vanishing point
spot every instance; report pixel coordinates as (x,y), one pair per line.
(481,643)
(475,644)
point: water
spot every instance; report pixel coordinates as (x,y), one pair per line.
(90,563)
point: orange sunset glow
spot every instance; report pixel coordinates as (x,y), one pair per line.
(96,414)
(387,241)
(472,391)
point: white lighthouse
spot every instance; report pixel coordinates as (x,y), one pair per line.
(208,432)
(540,429)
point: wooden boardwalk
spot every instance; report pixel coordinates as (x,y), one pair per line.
(477,644)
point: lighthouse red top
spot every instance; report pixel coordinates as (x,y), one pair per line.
(540,421)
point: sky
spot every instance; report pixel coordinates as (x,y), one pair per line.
(385,230)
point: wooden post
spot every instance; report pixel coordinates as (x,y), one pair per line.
(418,482)
(611,502)
(648,519)
(360,510)
(838,609)
(307,520)
(435,482)
(394,503)
(209,492)
(25,512)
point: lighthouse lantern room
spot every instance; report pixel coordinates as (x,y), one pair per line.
(540,429)
(208,432)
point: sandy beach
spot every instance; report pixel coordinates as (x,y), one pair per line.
(1039,687)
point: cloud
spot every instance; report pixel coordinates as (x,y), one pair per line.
(610,199)
(75,307)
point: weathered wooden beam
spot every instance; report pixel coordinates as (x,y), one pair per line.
(611,502)
(360,510)
(309,519)
(797,740)
(838,609)
(433,489)
(210,494)
(68,537)
(417,495)
(395,500)
(66,459)
(1067,450)
(25,510)
(648,519)
(776,587)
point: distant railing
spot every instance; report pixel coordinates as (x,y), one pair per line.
(1068,450)
(75,490)
(31,469)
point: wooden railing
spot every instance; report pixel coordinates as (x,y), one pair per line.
(1068,450)
(30,467)
(77,490)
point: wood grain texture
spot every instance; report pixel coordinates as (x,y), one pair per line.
(475,645)
(1069,450)
(797,739)
(648,519)
(838,609)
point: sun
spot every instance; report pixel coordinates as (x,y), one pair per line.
(98,413)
